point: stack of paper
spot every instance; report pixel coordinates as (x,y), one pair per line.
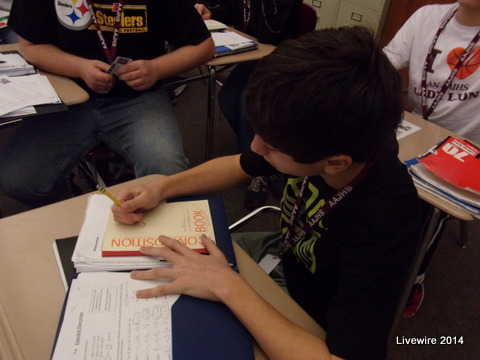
(104,245)
(13,64)
(21,93)
(88,251)
(229,42)
(214,25)
(449,171)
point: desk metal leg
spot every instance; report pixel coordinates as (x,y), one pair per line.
(210,111)
(463,233)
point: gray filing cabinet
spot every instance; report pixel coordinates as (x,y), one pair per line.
(336,13)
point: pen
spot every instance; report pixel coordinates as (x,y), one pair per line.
(113,198)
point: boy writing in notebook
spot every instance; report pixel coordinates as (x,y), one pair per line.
(324,109)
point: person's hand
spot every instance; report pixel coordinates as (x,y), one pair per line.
(135,200)
(194,274)
(95,76)
(139,74)
(203,11)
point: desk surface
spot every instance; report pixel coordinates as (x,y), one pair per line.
(32,292)
(262,51)
(67,89)
(418,143)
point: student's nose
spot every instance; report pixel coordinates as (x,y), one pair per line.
(258,145)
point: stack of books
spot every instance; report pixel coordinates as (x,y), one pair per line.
(4,18)
(451,171)
(105,245)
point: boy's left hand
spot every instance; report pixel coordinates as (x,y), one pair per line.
(192,273)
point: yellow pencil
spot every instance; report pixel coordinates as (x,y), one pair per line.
(113,198)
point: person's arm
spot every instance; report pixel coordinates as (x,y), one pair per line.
(210,277)
(54,60)
(213,176)
(143,74)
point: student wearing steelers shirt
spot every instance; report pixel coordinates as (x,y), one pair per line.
(128,109)
(351,217)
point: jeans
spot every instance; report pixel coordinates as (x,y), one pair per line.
(231,100)
(7,36)
(35,165)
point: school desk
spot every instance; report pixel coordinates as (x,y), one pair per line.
(418,143)
(220,62)
(66,88)
(69,92)
(32,291)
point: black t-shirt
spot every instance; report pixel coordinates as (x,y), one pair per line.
(347,273)
(270,22)
(145,27)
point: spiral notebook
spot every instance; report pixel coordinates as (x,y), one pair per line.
(229,42)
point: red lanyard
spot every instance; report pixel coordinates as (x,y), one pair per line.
(112,51)
(428,111)
(290,241)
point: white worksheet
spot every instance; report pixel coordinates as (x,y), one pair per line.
(104,320)
(406,128)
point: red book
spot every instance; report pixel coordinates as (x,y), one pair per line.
(455,161)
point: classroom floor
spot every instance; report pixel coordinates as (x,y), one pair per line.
(451,306)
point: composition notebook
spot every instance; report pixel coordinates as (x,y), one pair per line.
(229,42)
(200,329)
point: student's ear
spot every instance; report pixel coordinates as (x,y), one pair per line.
(337,163)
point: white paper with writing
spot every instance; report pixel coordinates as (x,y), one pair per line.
(104,320)
(406,128)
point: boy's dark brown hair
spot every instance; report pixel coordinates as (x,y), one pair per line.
(329,92)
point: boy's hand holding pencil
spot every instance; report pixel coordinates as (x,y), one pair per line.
(113,198)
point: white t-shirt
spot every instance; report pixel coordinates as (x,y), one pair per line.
(459,109)
(5,5)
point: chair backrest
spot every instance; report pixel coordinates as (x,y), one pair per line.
(250,216)
(430,220)
(308,18)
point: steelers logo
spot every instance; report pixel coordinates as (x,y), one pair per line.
(73,14)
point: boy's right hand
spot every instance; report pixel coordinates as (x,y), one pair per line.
(95,76)
(135,200)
